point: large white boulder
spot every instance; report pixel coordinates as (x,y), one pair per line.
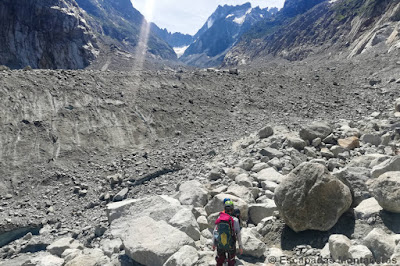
(60,245)
(193,193)
(339,247)
(252,245)
(361,253)
(156,207)
(390,165)
(186,256)
(367,208)
(148,241)
(89,257)
(381,244)
(185,221)
(269,174)
(241,192)
(259,211)
(311,198)
(386,190)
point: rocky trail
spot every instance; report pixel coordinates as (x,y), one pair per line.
(95,161)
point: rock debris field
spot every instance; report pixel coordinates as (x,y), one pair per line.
(131,168)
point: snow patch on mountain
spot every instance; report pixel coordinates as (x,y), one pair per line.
(180,50)
(241,19)
(210,22)
(230,15)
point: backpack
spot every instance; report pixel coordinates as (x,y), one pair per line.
(225,237)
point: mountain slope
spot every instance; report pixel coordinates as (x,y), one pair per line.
(342,28)
(122,23)
(45,34)
(175,39)
(222,29)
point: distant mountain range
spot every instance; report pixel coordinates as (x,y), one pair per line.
(73,34)
(221,31)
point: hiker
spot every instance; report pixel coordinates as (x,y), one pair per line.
(226,233)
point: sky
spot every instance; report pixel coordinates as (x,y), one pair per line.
(188,16)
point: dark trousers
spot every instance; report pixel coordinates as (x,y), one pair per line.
(222,256)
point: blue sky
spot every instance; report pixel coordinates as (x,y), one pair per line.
(187,16)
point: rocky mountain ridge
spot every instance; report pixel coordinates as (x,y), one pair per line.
(341,28)
(175,39)
(221,31)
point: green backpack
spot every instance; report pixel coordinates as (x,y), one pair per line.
(226,240)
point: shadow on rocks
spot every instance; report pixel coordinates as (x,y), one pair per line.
(391,221)
(317,239)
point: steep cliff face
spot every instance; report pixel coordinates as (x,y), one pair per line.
(44,34)
(343,28)
(120,21)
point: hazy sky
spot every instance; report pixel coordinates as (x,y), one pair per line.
(187,16)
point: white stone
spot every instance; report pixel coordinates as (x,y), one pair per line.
(269,174)
(367,208)
(381,244)
(185,221)
(339,247)
(186,256)
(257,212)
(193,193)
(149,242)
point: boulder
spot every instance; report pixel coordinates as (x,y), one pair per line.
(156,207)
(259,166)
(241,192)
(361,253)
(60,245)
(259,211)
(121,195)
(203,223)
(193,193)
(45,260)
(271,153)
(372,138)
(216,174)
(381,244)
(311,198)
(252,246)
(269,185)
(111,246)
(148,241)
(390,165)
(89,257)
(247,164)
(355,178)
(233,172)
(269,174)
(386,190)
(367,208)
(296,143)
(366,160)
(244,180)
(218,190)
(315,130)
(265,132)
(339,247)
(216,205)
(186,256)
(349,143)
(185,221)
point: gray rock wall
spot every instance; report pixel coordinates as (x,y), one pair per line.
(44,34)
